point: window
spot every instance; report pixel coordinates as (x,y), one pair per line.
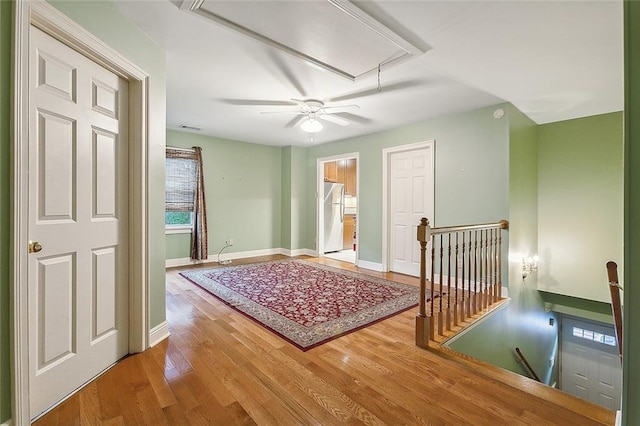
(185,204)
(594,336)
(180,187)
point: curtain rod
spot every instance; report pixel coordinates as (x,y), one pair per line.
(180,149)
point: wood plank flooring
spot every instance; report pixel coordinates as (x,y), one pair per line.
(220,368)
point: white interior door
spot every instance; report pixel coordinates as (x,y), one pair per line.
(78,282)
(411,198)
(590,364)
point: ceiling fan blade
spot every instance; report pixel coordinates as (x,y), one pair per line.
(354,117)
(374,90)
(282,112)
(257,102)
(341,108)
(334,119)
(295,121)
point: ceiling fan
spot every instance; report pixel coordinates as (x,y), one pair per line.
(310,111)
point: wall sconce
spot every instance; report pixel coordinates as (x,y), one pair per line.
(529,265)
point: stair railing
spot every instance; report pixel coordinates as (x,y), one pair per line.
(465,275)
(524,360)
(616,304)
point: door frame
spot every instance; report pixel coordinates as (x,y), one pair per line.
(48,19)
(386,205)
(320,202)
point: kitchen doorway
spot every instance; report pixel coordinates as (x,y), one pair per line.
(337,227)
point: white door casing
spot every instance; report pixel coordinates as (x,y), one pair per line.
(590,366)
(78,283)
(409,196)
(40,14)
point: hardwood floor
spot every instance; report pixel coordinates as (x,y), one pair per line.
(220,368)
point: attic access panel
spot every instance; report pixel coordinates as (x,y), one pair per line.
(334,35)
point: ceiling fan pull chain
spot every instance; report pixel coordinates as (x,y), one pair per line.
(379,86)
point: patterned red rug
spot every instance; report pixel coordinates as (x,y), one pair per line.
(303,302)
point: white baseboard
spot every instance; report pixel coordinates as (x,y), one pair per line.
(158,333)
(213,258)
(299,252)
(8,423)
(374,266)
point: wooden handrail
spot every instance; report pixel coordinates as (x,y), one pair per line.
(503,224)
(526,363)
(616,305)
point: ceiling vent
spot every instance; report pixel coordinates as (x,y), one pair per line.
(335,35)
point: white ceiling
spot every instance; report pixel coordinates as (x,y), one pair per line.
(553,60)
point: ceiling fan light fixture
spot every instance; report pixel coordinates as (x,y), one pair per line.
(311,125)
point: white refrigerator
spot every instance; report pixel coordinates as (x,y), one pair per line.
(333,216)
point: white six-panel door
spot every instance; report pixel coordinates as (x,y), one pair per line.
(78,282)
(411,198)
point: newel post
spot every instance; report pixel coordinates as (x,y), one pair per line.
(422,320)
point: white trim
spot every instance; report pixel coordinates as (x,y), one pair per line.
(476,323)
(386,154)
(298,252)
(8,423)
(158,333)
(170,230)
(374,266)
(320,201)
(213,258)
(47,18)
(353,11)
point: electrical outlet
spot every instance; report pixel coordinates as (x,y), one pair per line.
(229,242)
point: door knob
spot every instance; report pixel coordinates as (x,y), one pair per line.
(34,246)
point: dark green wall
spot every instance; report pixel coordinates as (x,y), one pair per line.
(631,347)
(6,30)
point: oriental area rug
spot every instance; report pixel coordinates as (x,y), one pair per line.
(303,302)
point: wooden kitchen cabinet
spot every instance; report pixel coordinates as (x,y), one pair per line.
(331,171)
(344,172)
(350,178)
(348,228)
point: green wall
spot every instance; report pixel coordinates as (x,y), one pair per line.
(299,202)
(461,180)
(580,203)
(286,198)
(631,347)
(523,323)
(243,191)
(6,31)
